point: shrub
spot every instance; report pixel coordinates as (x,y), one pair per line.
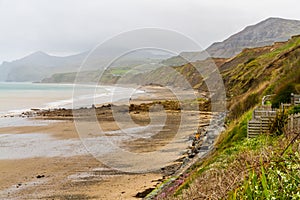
(295,110)
(283,95)
(277,127)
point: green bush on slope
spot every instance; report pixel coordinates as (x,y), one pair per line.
(294,110)
(283,95)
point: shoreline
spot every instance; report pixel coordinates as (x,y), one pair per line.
(65,129)
(61,100)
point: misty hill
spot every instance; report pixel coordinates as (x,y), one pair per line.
(39,65)
(264,33)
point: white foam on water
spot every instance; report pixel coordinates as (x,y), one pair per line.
(16,98)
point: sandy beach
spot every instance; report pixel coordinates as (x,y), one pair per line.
(64,169)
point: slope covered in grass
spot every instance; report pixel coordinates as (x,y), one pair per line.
(266,167)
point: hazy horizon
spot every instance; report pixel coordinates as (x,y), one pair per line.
(54,28)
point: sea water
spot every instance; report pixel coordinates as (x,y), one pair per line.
(16,98)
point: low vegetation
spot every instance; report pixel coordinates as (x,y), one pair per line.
(265,167)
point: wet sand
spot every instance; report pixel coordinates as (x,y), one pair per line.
(62,175)
(82,176)
(61,178)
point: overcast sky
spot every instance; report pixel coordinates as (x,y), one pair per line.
(64,27)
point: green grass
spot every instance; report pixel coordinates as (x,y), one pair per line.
(280,179)
(119,71)
(288,46)
(275,177)
(236,132)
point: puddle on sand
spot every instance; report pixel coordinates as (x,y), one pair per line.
(30,145)
(20,146)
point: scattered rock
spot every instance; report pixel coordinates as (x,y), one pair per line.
(40,176)
(144,193)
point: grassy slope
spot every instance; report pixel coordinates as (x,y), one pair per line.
(242,168)
(247,82)
(185,76)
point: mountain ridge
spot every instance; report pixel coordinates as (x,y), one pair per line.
(261,34)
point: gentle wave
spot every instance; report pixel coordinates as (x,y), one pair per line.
(51,96)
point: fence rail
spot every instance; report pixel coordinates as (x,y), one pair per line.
(263,116)
(293,122)
(295,99)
